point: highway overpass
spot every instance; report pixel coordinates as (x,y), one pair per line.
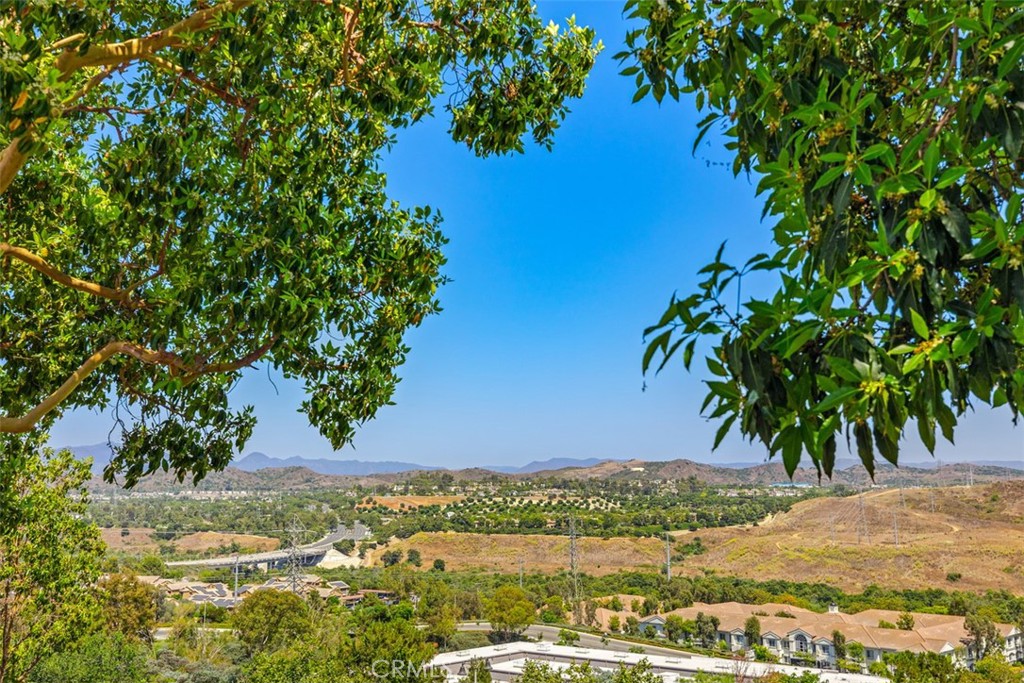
(308,555)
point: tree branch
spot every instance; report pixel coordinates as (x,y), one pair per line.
(25,423)
(113,56)
(40,264)
(191,76)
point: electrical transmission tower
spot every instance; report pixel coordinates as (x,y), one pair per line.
(896,528)
(574,572)
(295,532)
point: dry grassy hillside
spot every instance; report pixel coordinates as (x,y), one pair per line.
(139,540)
(976,532)
(548,554)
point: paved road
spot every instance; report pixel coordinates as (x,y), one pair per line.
(309,551)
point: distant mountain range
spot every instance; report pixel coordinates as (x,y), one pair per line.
(260,471)
(256,461)
(99,452)
(552,464)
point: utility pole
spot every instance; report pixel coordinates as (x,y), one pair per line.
(520,571)
(896,528)
(970,475)
(574,572)
(668,557)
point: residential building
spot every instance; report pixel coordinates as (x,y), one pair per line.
(801,636)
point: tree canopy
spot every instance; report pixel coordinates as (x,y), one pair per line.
(509,610)
(189,188)
(269,619)
(886,139)
(49,558)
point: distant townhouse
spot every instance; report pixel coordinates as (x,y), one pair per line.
(219,594)
(800,636)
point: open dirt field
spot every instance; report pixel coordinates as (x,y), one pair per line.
(548,554)
(137,539)
(408,502)
(207,540)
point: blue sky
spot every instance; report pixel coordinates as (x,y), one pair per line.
(558,261)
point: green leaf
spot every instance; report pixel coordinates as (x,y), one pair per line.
(723,430)
(913,363)
(828,177)
(715,367)
(799,337)
(862,435)
(659,342)
(1011,61)
(931,160)
(844,369)
(836,397)
(920,326)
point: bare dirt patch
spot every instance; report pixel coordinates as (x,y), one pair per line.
(210,540)
(548,554)
(136,539)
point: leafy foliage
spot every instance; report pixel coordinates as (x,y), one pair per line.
(99,658)
(886,138)
(129,606)
(190,188)
(49,557)
(509,610)
(268,619)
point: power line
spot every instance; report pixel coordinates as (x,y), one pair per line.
(864,521)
